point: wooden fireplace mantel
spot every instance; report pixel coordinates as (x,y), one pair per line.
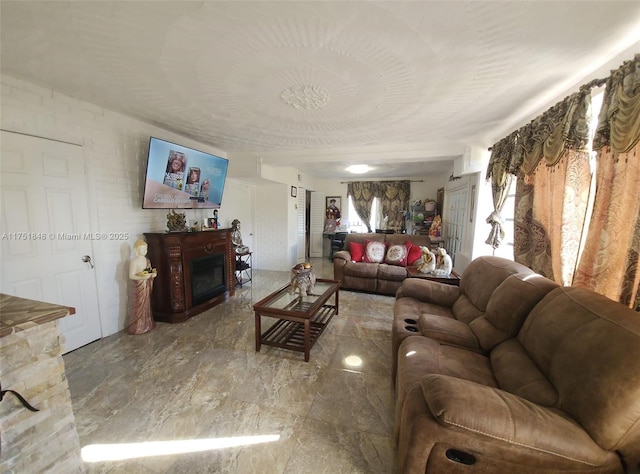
(170,253)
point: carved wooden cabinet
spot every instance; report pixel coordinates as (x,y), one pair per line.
(196,271)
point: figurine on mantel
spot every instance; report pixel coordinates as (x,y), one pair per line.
(141,275)
(176,221)
(236,238)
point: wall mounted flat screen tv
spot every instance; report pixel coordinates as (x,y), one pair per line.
(182,178)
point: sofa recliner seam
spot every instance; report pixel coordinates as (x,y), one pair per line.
(517,443)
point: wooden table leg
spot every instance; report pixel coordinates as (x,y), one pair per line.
(258,331)
(307,339)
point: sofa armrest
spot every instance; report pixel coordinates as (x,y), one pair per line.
(448,330)
(485,411)
(342,254)
(429,291)
(340,259)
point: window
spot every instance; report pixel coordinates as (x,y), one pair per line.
(508,216)
(356,225)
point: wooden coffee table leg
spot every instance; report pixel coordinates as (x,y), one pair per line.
(258,331)
(307,339)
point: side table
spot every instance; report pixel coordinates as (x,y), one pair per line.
(452,279)
(243,268)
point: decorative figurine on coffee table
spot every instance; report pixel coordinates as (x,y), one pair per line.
(141,275)
(236,238)
(302,279)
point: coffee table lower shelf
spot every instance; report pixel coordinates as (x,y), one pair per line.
(290,334)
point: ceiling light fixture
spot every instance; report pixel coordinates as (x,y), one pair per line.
(358,169)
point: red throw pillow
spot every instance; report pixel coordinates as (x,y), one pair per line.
(374,251)
(397,255)
(357,251)
(414,253)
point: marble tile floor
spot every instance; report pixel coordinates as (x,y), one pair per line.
(203,379)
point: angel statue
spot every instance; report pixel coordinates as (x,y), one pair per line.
(444,264)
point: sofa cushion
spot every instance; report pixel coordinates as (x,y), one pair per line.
(419,356)
(361,270)
(518,374)
(391,272)
(448,330)
(588,346)
(465,310)
(374,251)
(510,304)
(414,254)
(396,255)
(483,275)
(356,249)
(477,409)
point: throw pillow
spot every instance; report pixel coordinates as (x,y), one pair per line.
(373,251)
(415,252)
(397,255)
(357,251)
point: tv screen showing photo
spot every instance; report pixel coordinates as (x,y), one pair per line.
(179,177)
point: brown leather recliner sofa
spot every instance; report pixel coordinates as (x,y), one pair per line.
(494,298)
(373,277)
(562,394)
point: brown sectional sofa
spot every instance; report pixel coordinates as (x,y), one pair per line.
(373,277)
(494,297)
(546,379)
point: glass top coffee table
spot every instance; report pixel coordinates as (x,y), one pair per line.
(300,319)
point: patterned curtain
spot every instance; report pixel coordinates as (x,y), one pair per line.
(500,171)
(609,264)
(553,188)
(362,193)
(394,200)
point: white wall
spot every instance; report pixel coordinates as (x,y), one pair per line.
(115,150)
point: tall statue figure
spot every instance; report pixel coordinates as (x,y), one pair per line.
(236,238)
(141,275)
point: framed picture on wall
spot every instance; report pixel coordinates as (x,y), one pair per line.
(333,214)
(334,207)
(294,191)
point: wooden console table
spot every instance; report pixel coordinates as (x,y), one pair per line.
(172,253)
(452,279)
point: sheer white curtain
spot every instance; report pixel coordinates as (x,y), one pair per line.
(356,225)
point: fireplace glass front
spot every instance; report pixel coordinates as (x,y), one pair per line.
(207,278)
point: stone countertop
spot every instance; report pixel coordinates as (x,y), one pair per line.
(19,314)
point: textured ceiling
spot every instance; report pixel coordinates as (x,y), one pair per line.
(319,85)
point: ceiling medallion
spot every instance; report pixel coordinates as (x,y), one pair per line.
(305,97)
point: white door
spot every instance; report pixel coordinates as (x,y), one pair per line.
(302,225)
(455,219)
(317,224)
(45,231)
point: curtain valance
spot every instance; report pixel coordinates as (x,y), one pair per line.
(565,126)
(619,119)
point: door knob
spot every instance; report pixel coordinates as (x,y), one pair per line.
(87,259)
